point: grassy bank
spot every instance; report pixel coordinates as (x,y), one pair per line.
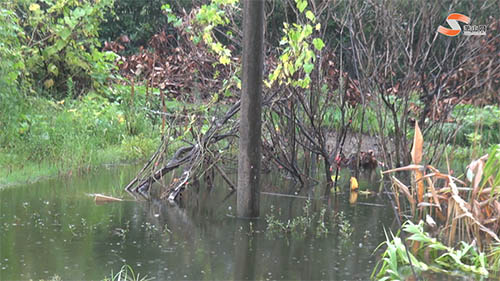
(45,138)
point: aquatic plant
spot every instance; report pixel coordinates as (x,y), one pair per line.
(72,136)
(394,258)
(316,223)
(321,225)
(300,225)
(345,227)
(428,254)
(126,273)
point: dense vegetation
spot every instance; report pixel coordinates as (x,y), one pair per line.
(65,100)
(101,81)
(62,103)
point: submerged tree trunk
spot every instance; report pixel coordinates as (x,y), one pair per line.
(250,120)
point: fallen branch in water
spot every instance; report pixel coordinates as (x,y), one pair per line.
(190,156)
(101,199)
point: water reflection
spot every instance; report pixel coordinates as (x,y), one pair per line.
(245,251)
(53,228)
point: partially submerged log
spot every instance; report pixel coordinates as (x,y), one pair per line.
(101,199)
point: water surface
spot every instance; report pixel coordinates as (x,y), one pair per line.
(53,228)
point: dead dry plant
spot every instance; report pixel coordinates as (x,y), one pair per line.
(467,210)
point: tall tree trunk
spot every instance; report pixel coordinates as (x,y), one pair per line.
(250,122)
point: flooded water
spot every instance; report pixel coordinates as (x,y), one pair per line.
(53,228)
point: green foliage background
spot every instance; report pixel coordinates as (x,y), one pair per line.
(59,98)
(62,100)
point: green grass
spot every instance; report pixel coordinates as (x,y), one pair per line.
(126,273)
(43,138)
(21,171)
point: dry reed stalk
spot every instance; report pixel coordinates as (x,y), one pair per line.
(406,191)
(464,212)
(434,193)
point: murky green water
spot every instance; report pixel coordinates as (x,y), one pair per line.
(54,228)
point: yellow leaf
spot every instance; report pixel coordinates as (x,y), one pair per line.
(418,145)
(334,190)
(34,7)
(224,60)
(48,83)
(353,197)
(354,183)
(333,178)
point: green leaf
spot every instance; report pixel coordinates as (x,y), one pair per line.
(60,44)
(310,16)
(318,44)
(53,69)
(166,7)
(79,12)
(65,33)
(308,30)
(308,67)
(49,51)
(301,5)
(70,22)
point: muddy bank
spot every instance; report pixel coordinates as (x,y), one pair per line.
(368,143)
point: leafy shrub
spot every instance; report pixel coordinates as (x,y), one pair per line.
(61,47)
(11,62)
(11,68)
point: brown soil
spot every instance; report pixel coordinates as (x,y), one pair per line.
(351,144)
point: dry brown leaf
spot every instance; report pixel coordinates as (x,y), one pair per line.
(492,220)
(478,175)
(406,191)
(490,190)
(411,167)
(420,185)
(464,211)
(497,206)
(434,193)
(418,145)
